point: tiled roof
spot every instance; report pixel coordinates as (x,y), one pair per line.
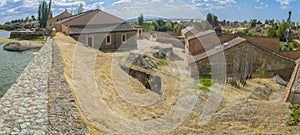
(92,17)
(201,34)
(73,17)
(95,21)
(100,28)
(218,49)
(189,29)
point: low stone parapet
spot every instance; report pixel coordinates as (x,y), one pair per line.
(23,109)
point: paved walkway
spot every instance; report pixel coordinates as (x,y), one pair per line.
(23,109)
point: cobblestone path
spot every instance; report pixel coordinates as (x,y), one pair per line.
(23,109)
(64,117)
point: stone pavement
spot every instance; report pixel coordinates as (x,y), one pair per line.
(23,109)
(64,117)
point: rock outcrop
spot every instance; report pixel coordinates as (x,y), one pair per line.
(21,46)
(164,52)
(160,55)
(141,60)
(261,93)
(279,80)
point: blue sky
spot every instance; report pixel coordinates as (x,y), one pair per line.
(233,10)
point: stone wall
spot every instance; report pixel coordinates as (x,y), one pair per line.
(28,35)
(275,64)
(23,109)
(62,28)
(40,102)
(200,43)
(64,117)
(179,43)
(99,40)
(272,44)
(151,82)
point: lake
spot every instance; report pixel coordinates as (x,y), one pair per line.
(4,34)
(12,64)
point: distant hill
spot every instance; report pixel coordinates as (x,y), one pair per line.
(154,18)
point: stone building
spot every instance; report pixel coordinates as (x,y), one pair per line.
(51,22)
(243,59)
(243,55)
(100,30)
(139,30)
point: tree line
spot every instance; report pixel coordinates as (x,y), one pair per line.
(159,25)
(27,19)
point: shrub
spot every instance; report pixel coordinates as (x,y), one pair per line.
(206,82)
(161,63)
(295,115)
(204,88)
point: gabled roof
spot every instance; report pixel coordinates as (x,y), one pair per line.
(101,28)
(219,48)
(63,14)
(230,44)
(95,21)
(92,17)
(189,29)
(202,34)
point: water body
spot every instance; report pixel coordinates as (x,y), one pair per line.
(12,64)
(4,34)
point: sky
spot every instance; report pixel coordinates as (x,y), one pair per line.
(232,10)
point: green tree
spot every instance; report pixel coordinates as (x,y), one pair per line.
(44,13)
(141,20)
(253,23)
(266,21)
(27,19)
(209,18)
(281,30)
(33,17)
(80,8)
(177,28)
(272,32)
(272,21)
(169,26)
(246,32)
(212,19)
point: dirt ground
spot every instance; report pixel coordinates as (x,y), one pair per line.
(236,114)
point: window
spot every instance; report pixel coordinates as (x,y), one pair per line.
(89,41)
(124,38)
(108,40)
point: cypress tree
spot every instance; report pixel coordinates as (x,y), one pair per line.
(44,13)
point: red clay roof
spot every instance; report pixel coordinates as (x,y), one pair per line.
(219,48)
(92,17)
(230,44)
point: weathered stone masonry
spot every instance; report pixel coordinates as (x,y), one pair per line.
(23,109)
(274,63)
(40,102)
(64,117)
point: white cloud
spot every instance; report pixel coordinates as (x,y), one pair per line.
(155,0)
(212,4)
(2,3)
(284,3)
(261,5)
(165,8)
(121,1)
(67,3)
(94,6)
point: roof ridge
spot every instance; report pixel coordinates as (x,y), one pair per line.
(269,51)
(112,15)
(78,15)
